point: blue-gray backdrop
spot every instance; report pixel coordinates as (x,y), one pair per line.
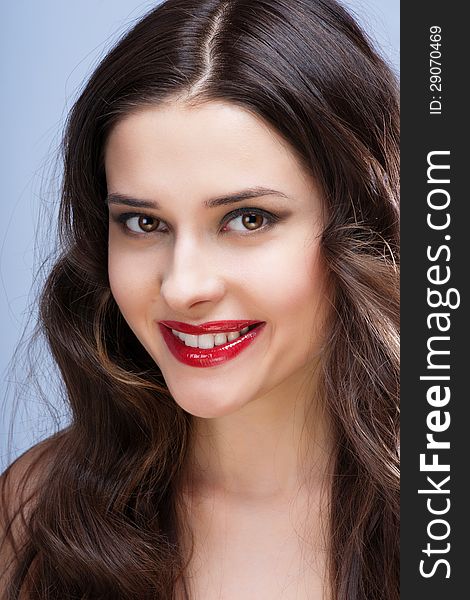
(47,50)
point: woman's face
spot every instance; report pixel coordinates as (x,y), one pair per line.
(213,219)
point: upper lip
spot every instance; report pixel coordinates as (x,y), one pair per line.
(209,327)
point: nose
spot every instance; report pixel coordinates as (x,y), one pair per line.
(193,276)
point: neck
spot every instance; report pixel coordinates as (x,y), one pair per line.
(267,450)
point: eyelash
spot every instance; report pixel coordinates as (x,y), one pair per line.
(271,218)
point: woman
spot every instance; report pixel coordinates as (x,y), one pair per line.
(225,318)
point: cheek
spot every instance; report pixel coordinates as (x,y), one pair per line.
(130,282)
(292,282)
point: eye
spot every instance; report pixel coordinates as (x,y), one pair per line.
(140,224)
(245,220)
(143,223)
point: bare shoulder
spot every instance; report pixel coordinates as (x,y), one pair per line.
(21,480)
(19,485)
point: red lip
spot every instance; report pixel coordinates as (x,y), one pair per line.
(209,327)
(200,357)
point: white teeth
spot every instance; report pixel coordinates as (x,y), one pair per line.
(190,340)
(206,341)
(220,338)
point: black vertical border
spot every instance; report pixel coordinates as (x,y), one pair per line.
(422,133)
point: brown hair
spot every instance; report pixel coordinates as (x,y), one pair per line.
(104,523)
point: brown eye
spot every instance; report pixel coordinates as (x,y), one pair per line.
(140,223)
(252,221)
(148,224)
(244,220)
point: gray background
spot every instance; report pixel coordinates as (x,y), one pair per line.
(48,49)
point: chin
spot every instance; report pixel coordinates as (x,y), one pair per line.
(208,408)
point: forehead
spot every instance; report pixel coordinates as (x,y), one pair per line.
(213,148)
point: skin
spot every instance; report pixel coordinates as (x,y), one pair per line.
(257,423)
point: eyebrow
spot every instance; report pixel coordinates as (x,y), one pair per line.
(247,194)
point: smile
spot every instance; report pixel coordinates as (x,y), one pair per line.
(197,347)
(209,340)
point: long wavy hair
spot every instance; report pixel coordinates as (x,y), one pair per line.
(104,523)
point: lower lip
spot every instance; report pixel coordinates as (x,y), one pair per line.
(212,357)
